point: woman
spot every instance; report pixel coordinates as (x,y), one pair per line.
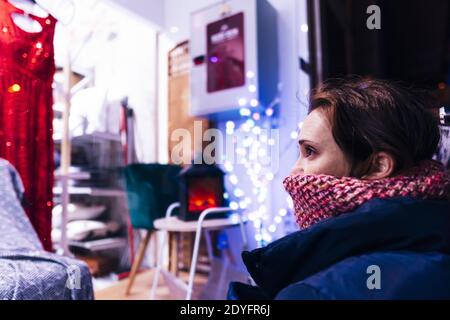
(372,206)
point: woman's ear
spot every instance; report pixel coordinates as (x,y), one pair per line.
(382,166)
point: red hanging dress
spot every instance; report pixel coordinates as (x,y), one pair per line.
(26,112)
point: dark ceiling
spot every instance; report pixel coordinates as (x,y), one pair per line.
(413,44)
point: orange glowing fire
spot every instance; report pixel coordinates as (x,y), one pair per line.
(202,202)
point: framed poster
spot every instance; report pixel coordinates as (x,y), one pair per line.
(234,58)
(225,53)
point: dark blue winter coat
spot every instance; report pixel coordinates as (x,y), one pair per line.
(386,249)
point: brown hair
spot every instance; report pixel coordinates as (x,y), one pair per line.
(369,116)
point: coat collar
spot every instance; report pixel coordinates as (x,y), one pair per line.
(378,225)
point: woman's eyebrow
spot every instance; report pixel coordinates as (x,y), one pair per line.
(302,141)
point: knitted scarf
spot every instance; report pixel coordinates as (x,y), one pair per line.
(318,197)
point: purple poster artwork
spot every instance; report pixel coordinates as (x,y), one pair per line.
(226,54)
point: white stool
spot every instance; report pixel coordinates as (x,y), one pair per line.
(173,224)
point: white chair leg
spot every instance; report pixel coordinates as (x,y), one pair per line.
(197,245)
(198,234)
(209,245)
(162,247)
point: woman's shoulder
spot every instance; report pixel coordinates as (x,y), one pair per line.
(380,226)
(378,275)
(399,204)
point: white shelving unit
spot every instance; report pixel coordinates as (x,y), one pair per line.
(101,244)
(95,192)
(65,188)
(88,191)
(93,137)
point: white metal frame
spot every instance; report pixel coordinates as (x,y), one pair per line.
(194,259)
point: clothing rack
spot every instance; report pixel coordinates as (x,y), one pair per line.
(66,154)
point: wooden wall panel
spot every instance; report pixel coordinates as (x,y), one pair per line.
(179,62)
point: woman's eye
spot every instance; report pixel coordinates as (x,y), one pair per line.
(309,151)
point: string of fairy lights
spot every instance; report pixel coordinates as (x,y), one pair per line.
(258,120)
(254,140)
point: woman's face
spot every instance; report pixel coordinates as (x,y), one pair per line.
(319,153)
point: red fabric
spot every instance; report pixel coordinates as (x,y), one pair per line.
(318,197)
(26,114)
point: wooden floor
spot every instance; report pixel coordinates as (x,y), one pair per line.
(142,287)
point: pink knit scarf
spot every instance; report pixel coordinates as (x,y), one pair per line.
(318,197)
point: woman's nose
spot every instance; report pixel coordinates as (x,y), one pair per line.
(298,168)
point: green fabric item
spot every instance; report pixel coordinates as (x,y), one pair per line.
(151,188)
